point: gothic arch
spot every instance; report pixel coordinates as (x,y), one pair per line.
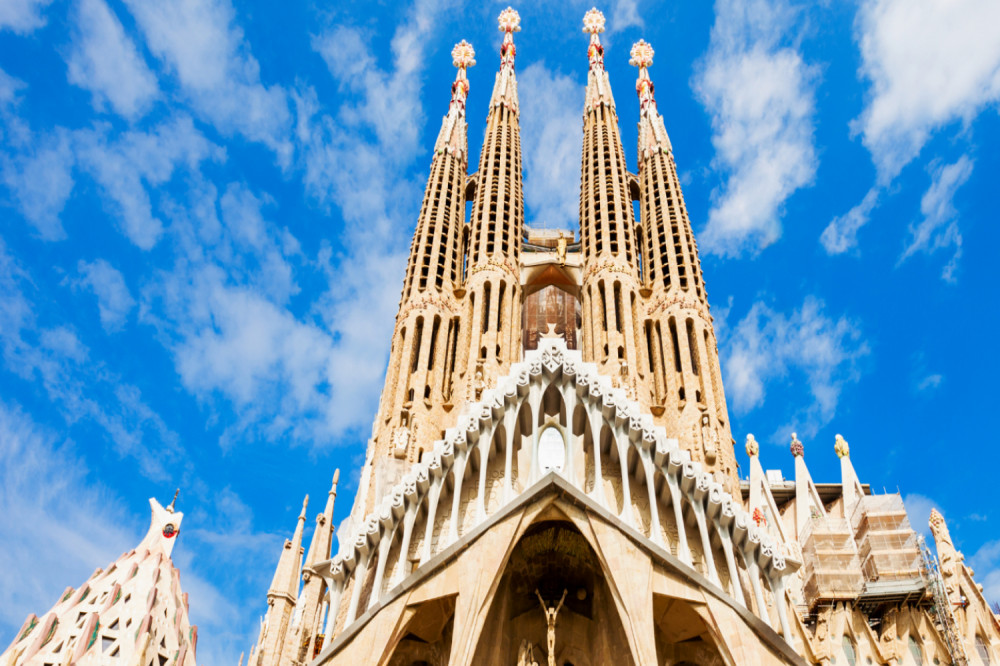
(553,556)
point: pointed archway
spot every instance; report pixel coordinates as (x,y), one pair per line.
(554,558)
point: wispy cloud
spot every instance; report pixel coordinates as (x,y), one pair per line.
(918,510)
(939,227)
(201,43)
(46,495)
(104,60)
(114,300)
(552,137)
(40,179)
(986,562)
(127,164)
(54,359)
(760,94)
(842,233)
(768,347)
(23,16)
(930,63)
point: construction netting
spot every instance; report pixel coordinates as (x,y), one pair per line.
(887,544)
(831,568)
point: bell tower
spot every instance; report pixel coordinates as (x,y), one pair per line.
(610,278)
(685,385)
(420,381)
(492,280)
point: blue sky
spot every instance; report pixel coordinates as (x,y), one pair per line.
(205,209)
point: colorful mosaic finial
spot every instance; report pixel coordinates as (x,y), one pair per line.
(509,20)
(841,447)
(753,448)
(463,55)
(593,25)
(642,57)
(642,54)
(797,448)
(593,22)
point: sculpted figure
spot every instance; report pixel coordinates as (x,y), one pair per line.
(526,654)
(709,439)
(550,620)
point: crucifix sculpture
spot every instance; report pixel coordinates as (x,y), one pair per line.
(550,620)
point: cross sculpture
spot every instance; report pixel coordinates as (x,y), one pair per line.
(550,619)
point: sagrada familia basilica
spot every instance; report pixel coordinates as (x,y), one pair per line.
(551,477)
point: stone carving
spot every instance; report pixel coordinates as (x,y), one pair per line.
(400,441)
(550,619)
(526,654)
(709,440)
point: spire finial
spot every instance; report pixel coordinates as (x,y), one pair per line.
(173,502)
(305,503)
(753,448)
(642,57)
(593,25)
(463,56)
(797,448)
(336,480)
(841,447)
(510,21)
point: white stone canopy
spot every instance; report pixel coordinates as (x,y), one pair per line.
(556,414)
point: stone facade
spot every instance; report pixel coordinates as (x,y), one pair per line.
(552,477)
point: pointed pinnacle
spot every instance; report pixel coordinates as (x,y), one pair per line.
(173,502)
(336,480)
(305,503)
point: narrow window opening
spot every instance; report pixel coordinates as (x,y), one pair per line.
(676,343)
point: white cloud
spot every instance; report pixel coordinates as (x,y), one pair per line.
(625,14)
(986,562)
(929,383)
(552,137)
(55,518)
(53,360)
(41,180)
(918,510)
(939,228)
(222,308)
(200,42)
(380,137)
(114,301)
(760,96)
(930,63)
(59,518)
(842,233)
(104,61)
(768,346)
(125,166)
(22,16)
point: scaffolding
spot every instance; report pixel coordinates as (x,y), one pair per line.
(831,568)
(887,545)
(941,606)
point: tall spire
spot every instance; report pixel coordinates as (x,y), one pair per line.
(452,136)
(505,88)
(652,131)
(686,392)
(610,277)
(598,84)
(281,596)
(419,384)
(492,279)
